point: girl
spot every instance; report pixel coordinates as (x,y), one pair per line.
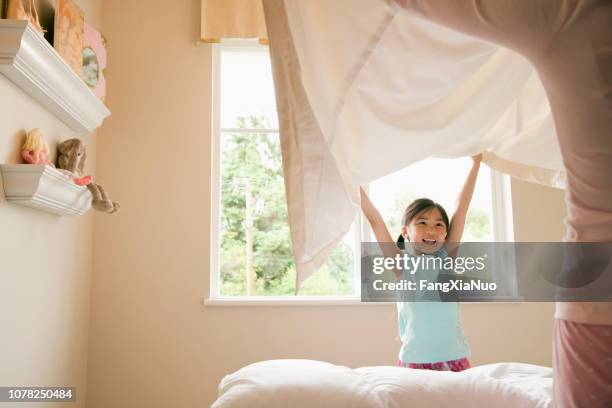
(431,332)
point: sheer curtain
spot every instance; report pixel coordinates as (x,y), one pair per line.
(365,88)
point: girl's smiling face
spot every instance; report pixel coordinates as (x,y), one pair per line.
(427,231)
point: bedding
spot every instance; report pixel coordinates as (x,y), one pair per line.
(309,383)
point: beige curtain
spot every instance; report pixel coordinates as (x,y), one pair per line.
(232,19)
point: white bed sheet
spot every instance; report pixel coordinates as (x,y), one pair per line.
(309,383)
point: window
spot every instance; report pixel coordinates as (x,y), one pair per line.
(251,255)
(251,245)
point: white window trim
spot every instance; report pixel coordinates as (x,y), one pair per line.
(503,220)
(215,182)
(500,185)
(291,301)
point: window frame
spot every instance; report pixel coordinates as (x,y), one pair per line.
(502,219)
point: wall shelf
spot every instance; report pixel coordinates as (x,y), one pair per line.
(30,62)
(44,188)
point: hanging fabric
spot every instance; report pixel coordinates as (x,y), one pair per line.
(365,88)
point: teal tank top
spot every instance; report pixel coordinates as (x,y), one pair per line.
(431,332)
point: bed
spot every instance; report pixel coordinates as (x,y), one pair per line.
(309,383)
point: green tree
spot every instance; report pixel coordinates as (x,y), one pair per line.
(255,238)
(252,171)
(477,226)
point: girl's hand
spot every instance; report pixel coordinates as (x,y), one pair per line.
(477,158)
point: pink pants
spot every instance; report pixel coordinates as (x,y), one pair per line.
(569,42)
(452,365)
(583,365)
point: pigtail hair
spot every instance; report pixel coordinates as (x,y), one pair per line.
(400,242)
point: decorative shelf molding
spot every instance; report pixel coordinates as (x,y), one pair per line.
(29,61)
(45,188)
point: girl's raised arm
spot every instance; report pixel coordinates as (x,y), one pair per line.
(381,232)
(463,203)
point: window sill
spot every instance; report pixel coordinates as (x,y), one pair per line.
(323,301)
(290,301)
(493,300)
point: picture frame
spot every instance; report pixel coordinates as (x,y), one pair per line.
(94,61)
(69,30)
(3,8)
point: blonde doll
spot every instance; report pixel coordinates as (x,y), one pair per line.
(35,148)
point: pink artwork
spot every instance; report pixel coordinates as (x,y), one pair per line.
(69,33)
(94,61)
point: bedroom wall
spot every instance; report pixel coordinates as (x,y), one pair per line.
(45,261)
(152,343)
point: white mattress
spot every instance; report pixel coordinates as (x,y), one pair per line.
(308,383)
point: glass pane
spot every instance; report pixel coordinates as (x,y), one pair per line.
(440,180)
(247,91)
(256,255)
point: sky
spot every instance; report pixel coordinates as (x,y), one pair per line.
(247,92)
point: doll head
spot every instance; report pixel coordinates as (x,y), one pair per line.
(35,141)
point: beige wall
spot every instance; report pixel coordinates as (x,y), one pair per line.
(152,342)
(45,262)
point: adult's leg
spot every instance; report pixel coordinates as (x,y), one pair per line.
(583,359)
